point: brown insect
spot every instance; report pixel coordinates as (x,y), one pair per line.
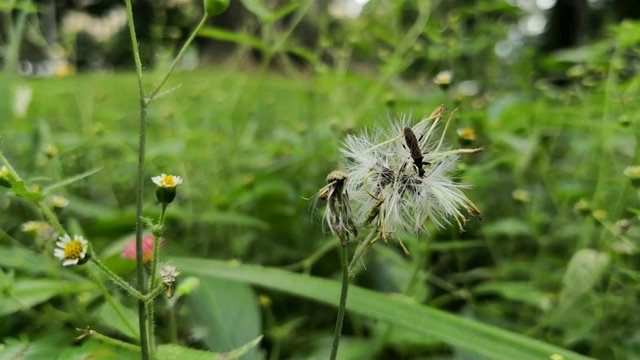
(414,149)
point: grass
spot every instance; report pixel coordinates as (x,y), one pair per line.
(253,149)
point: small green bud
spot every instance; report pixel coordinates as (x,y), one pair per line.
(157,230)
(5,178)
(215,7)
(165,195)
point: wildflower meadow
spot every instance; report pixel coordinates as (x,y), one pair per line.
(343,179)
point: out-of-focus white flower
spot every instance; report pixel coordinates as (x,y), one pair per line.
(401,176)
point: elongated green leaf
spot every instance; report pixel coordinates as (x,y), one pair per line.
(170,352)
(26,293)
(225,35)
(60,184)
(257,8)
(229,312)
(284,11)
(472,336)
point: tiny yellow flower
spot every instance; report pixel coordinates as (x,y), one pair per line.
(443,78)
(556,357)
(633,173)
(466,135)
(521,195)
(71,251)
(5,177)
(50,151)
(600,214)
(166,190)
(33,226)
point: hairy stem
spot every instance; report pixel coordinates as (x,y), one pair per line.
(142,306)
(342,306)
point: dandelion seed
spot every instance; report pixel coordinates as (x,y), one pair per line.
(169,273)
(71,251)
(389,188)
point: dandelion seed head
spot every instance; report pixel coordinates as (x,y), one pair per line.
(385,181)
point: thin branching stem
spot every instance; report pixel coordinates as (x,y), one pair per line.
(142,311)
(153,95)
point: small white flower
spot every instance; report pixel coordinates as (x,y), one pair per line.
(443,78)
(58,201)
(169,273)
(167,181)
(397,186)
(33,226)
(71,251)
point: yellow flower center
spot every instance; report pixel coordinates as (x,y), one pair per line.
(168,181)
(73,250)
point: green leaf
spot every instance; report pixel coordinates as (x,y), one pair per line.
(239,38)
(170,352)
(60,184)
(518,291)
(44,348)
(257,8)
(110,318)
(23,259)
(585,269)
(20,189)
(475,337)
(96,350)
(282,12)
(24,294)
(229,311)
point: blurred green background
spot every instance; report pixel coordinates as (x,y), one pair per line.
(254,123)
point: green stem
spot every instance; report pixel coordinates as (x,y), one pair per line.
(51,216)
(154,293)
(150,326)
(156,251)
(118,343)
(361,250)
(118,280)
(110,300)
(10,168)
(171,323)
(342,305)
(142,313)
(176,61)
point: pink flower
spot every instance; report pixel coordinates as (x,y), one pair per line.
(129,251)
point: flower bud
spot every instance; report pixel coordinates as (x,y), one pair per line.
(215,7)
